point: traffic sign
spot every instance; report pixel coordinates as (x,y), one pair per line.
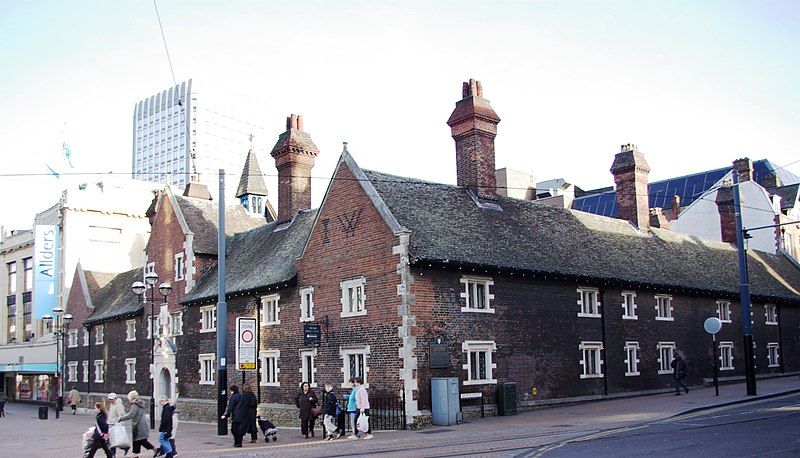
(246,343)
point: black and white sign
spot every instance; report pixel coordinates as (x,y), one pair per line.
(246,343)
(312,334)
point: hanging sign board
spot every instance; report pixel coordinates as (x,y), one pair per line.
(246,343)
(312,333)
(45,274)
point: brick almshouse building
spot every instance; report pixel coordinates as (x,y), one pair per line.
(575,305)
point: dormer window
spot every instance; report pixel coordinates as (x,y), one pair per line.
(257,205)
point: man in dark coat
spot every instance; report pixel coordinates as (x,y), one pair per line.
(248,407)
(680,370)
(234,412)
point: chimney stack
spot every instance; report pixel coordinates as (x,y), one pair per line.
(294,155)
(727,212)
(744,167)
(630,171)
(473,126)
(658,219)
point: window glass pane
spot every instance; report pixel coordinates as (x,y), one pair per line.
(482,365)
(480,295)
(473,364)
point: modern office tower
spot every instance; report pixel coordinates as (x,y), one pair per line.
(194,129)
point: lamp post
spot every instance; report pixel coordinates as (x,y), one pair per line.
(60,330)
(138,288)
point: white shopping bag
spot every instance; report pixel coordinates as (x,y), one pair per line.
(118,436)
(363,423)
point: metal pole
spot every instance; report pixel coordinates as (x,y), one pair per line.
(152,357)
(716,364)
(744,292)
(56,329)
(258,347)
(222,314)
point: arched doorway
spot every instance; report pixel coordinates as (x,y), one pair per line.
(165,383)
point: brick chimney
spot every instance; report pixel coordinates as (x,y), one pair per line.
(658,219)
(473,125)
(294,155)
(727,214)
(744,167)
(196,189)
(630,172)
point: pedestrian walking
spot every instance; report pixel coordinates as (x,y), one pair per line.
(165,427)
(174,430)
(680,370)
(100,436)
(306,400)
(116,411)
(3,400)
(249,405)
(362,405)
(351,408)
(139,426)
(234,412)
(330,410)
(74,399)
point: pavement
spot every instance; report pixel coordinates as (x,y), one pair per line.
(524,433)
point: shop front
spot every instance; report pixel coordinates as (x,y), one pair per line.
(34,383)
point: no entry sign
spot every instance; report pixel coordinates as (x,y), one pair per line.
(246,343)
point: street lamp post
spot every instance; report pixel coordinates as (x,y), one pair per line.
(60,330)
(138,288)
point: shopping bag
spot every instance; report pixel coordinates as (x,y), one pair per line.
(363,423)
(118,436)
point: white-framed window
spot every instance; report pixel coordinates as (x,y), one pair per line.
(631,358)
(72,371)
(308,370)
(72,339)
(629,305)
(664,307)
(208,368)
(307,303)
(353,297)
(589,302)
(130,370)
(269,367)
(773,355)
(724,311)
(771,314)
(666,353)
(591,359)
(180,267)
(85,367)
(99,334)
(85,337)
(176,323)
(99,370)
(270,310)
(476,294)
(354,363)
(130,330)
(726,356)
(208,318)
(479,364)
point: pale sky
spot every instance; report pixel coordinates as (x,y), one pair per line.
(695,84)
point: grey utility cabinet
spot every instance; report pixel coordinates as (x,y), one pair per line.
(445,401)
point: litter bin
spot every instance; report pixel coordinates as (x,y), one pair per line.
(43,411)
(507,398)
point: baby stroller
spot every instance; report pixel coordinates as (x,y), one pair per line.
(268,428)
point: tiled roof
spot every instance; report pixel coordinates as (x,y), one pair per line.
(251,182)
(788,195)
(258,258)
(115,299)
(447,226)
(688,187)
(201,217)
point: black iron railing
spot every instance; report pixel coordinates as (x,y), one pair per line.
(387,411)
